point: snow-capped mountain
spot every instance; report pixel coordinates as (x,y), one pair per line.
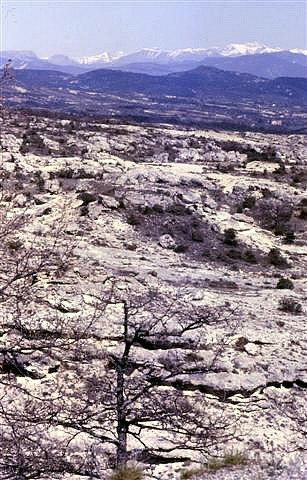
(156,55)
(251,48)
(251,57)
(104,57)
(21,59)
(145,55)
(27,60)
(231,50)
(298,50)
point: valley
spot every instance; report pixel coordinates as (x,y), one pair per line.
(205,97)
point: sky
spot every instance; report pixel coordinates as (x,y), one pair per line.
(78,28)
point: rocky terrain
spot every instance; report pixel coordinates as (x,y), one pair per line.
(214,219)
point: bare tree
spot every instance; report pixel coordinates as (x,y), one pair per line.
(92,378)
(157,337)
(274,214)
(129,396)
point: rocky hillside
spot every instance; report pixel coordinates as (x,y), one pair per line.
(211,221)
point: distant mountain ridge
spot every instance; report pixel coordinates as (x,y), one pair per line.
(203,81)
(252,58)
(182,55)
(205,96)
(267,65)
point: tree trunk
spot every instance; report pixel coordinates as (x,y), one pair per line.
(122,425)
(121,454)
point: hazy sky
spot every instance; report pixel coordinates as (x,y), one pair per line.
(90,27)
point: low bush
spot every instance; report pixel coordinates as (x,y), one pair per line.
(197,235)
(231,458)
(14,244)
(128,473)
(275,258)
(86,197)
(249,202)
(177,209)
(281,229)
(298,176)
(130,246)
(214,464)
(181,248)
(285,283)
(230,237)
(235,457)
(290,305)
(234,254)
(226,167)
(84,211)
(192,472)
(289,236)
(134,219)
(303,214)
(249,257)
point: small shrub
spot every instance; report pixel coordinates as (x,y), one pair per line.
(193,357)
(235,458)
(281,170)
(133,219)
(181,248)
(231,458)
(84,211)
(230,237)
(86,198)
(289,237)
(24,149)
(249,202)
(14,244)
(225,167)
(65,173)
(214,465)
(303,214)
(128,473)
(234,254)
(298,176)
(197,235)
(249,256)
(275,258)
(285,283)
(192,472)
(130,246)
(84,151)
(240,344)
(290,305)
(158,208)
(281,229)
(177,209)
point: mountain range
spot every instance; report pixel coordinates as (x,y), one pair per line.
(202,82)
(252,58)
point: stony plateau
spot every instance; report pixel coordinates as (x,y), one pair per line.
(214,218)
